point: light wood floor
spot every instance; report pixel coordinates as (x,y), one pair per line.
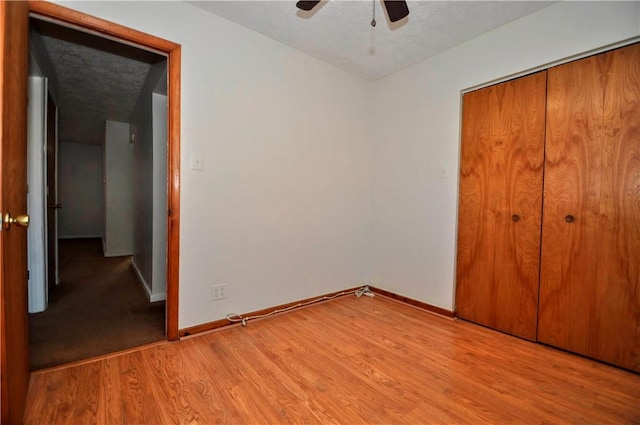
(347,361)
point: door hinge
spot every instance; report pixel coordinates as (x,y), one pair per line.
(28,275)
(169,212)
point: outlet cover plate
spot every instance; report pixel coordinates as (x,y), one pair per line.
(218,292)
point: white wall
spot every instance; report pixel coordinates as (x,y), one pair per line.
(117,236)
(281,210)
(149,124)
(417,129)
(36,160)
(79,190)
(159,261)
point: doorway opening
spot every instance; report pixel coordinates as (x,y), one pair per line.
(116,212)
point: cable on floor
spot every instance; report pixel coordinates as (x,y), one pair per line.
(238,318)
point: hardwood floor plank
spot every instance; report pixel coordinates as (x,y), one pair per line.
(173,385)
(255,389)
(304,374)
(110,394)
(350,360)
(138,402)
(286,403)
(339,384)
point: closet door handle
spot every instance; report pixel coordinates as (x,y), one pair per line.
(515,217)
(569,219)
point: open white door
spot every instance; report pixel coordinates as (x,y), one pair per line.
(36,202)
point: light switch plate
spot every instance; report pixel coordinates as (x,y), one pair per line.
(197,162)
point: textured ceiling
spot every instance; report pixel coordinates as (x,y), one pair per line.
(339,31)
(97,79)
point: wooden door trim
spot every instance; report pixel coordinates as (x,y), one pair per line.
(173,51)
(14,325)
(4,381)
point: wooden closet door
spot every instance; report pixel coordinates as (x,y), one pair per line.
(500,205)
(590,270)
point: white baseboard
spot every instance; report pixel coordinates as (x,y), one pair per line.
(141,279)
(158,297)
(152,297)
(117,253)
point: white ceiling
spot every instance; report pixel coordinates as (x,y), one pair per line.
(339,31)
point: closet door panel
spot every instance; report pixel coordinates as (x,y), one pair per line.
(590,270)
(499,214)
(617,328)
(571,189)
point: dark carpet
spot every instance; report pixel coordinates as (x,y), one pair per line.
(99,307)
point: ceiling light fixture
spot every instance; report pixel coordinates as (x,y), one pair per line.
(396,9)
(373,6)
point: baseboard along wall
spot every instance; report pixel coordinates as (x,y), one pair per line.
(152,297)
(217,324)
(420,304)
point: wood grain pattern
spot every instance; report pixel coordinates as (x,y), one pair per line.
(173,52)
(500,205)
(590,270)
(350,360)
(173,199)
(5,409)
(14,339)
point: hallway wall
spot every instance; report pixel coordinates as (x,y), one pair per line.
(80,190)
(150,185)
(117,236)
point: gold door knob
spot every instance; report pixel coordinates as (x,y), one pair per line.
(21,220)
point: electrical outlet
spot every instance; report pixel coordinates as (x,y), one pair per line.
(219,292)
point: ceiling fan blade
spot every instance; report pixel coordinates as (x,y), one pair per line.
(306,5)
(396,9)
